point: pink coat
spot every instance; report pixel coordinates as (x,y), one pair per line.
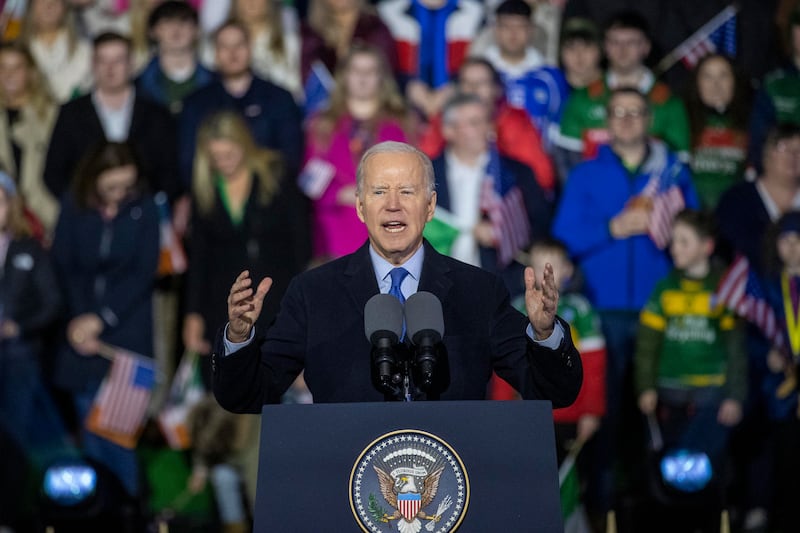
(336,228)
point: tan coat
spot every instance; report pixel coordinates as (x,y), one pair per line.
(32,134)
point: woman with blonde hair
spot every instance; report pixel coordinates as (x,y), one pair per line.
(64,57)
(27,114)
(365,109)
(333,26)
(245,215)
(141,45)
(274,41)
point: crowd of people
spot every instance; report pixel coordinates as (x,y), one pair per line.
(238,126)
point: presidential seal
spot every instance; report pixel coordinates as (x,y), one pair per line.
(408,480)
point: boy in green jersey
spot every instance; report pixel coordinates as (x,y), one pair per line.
(690,365)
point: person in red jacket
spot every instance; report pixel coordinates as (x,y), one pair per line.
(516,135)
(582,419)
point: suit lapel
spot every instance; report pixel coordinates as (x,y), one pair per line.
(93,123)
(136,115)
(434,277)
(359,278)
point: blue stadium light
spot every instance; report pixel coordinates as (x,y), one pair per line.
(70,484)
(686,470)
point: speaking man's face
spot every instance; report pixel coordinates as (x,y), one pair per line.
(395,204)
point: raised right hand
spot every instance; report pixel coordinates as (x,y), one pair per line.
(83,333)
(244,306)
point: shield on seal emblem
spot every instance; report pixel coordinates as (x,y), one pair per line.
(408,505)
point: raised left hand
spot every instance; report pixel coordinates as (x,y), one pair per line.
(541,301)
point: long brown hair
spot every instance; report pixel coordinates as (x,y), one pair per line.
(274,23)
(391,101)
(67,23)
(737,110)
(38,93)
(230,126)
(16,224)
(320,19)
(100,158)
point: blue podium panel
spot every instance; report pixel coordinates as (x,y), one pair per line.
(418,467)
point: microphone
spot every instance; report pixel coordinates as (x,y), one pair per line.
(383,325)
(425,328)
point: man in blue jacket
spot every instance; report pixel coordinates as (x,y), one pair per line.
(615,217)
(175,71)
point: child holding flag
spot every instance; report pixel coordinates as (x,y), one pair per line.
(782,292)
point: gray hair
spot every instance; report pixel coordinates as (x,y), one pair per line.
(458,101)
(394,147)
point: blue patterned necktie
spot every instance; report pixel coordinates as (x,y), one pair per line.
(398,275)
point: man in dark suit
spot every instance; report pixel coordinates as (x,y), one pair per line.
(113,112)
(320,328)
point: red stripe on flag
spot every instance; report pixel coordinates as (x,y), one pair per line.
(739,290)
(665,206)
(509,218)
(124,396)
(732,286)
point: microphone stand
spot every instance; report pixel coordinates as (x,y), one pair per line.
(407,396)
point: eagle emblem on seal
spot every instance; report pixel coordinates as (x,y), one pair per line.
(409,490)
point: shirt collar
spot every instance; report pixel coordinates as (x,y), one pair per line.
(382,267)
(452,160)
(772,208)
(646,81)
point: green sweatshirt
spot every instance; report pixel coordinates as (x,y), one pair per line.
(583,124)
(685,341)
(718,160)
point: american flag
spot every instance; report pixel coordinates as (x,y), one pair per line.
(666,196)
(503,203)
(666,205)
(740,291)
(120,405)
(718,35)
